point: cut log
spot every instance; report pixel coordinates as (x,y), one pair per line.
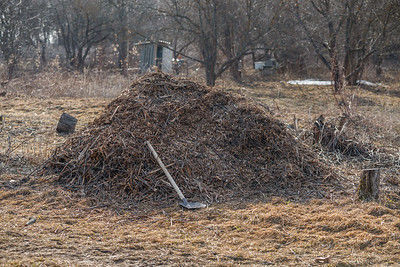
(369,185)
(66,124)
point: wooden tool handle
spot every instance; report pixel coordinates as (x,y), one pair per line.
(171,180)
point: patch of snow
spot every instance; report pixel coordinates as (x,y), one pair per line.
(369,83)
(309,82)
(324,83)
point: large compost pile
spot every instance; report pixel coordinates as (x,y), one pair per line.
(215,144)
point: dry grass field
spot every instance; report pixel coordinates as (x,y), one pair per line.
(72,228)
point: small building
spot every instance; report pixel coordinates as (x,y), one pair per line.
(267,64)
(155,54)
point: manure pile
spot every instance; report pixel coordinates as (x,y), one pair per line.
(215,144)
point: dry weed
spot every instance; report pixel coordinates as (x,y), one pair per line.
(69,84)
(73,229)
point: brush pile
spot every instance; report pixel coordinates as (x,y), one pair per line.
(335,138)
(215,145)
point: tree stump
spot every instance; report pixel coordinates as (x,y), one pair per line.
(66,124)
(369,185)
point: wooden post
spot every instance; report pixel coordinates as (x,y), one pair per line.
(66,124)
(369,185)
(295,125)
(319,126)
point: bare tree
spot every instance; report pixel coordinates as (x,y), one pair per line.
(344,33)
(41,28)
(81,24)
(129,18)
(16,24)
(221,31)
(245,24)
(44,29)
(121,31)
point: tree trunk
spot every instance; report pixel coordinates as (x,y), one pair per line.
(335,69)
(336,76)
(369,185)
(253,58)
(123,57)
(80,63)
(209,53)
(123,40)
(43,58)
(235,71)
(230,53)
(210,75)
(378,66)
(351,71)
(71,59)
(11,68)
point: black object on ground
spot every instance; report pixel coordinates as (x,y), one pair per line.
(66,124)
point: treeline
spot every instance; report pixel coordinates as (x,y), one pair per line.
(217,34)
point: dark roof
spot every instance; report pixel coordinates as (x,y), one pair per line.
(159,42)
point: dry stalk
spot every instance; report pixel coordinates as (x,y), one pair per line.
(217,145)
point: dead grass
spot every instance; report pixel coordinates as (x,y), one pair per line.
(377,123)
(69,230)
(58,83)
(28,126)
(74,229)
(308,102)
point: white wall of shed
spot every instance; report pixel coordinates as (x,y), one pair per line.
(167,60)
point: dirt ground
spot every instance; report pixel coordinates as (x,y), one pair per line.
(75,229)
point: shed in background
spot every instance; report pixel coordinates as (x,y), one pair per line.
(155,54)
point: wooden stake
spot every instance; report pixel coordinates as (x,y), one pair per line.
(369,185)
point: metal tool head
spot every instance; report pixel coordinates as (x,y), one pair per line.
(192,205)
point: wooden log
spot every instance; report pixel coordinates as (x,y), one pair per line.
(66,124)
(369,185)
